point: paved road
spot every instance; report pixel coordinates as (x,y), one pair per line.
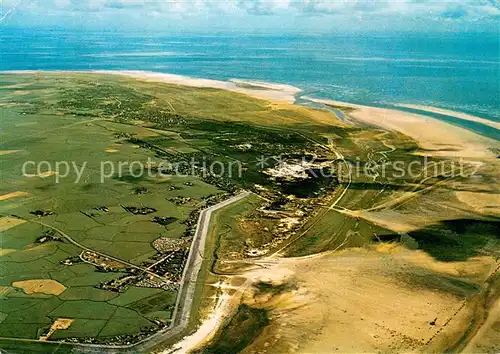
(185,296)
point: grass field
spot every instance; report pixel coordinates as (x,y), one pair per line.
(51,135)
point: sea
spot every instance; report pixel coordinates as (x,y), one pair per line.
(459,72)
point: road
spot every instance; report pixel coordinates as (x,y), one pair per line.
(344,190)
(85,248)
(185,296)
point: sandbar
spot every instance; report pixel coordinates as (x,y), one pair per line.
(435,138)
(451,113)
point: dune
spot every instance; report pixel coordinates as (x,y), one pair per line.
(5,152)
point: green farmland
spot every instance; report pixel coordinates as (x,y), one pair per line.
(81,140)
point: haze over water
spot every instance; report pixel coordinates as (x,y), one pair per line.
(457,72)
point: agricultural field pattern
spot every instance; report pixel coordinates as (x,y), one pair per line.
(105,250)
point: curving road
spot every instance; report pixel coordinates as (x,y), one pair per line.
(85,248)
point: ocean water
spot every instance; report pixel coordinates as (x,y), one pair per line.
(460,72)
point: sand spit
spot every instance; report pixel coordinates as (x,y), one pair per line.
(435,137)
(262,90)
(454,114)
(8,222)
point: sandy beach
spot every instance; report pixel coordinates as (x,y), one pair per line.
(435,137)
(453,114)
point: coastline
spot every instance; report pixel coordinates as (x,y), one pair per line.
(444,139)
(451,113)
(435,137)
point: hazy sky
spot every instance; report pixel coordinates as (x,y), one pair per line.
(260,16)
